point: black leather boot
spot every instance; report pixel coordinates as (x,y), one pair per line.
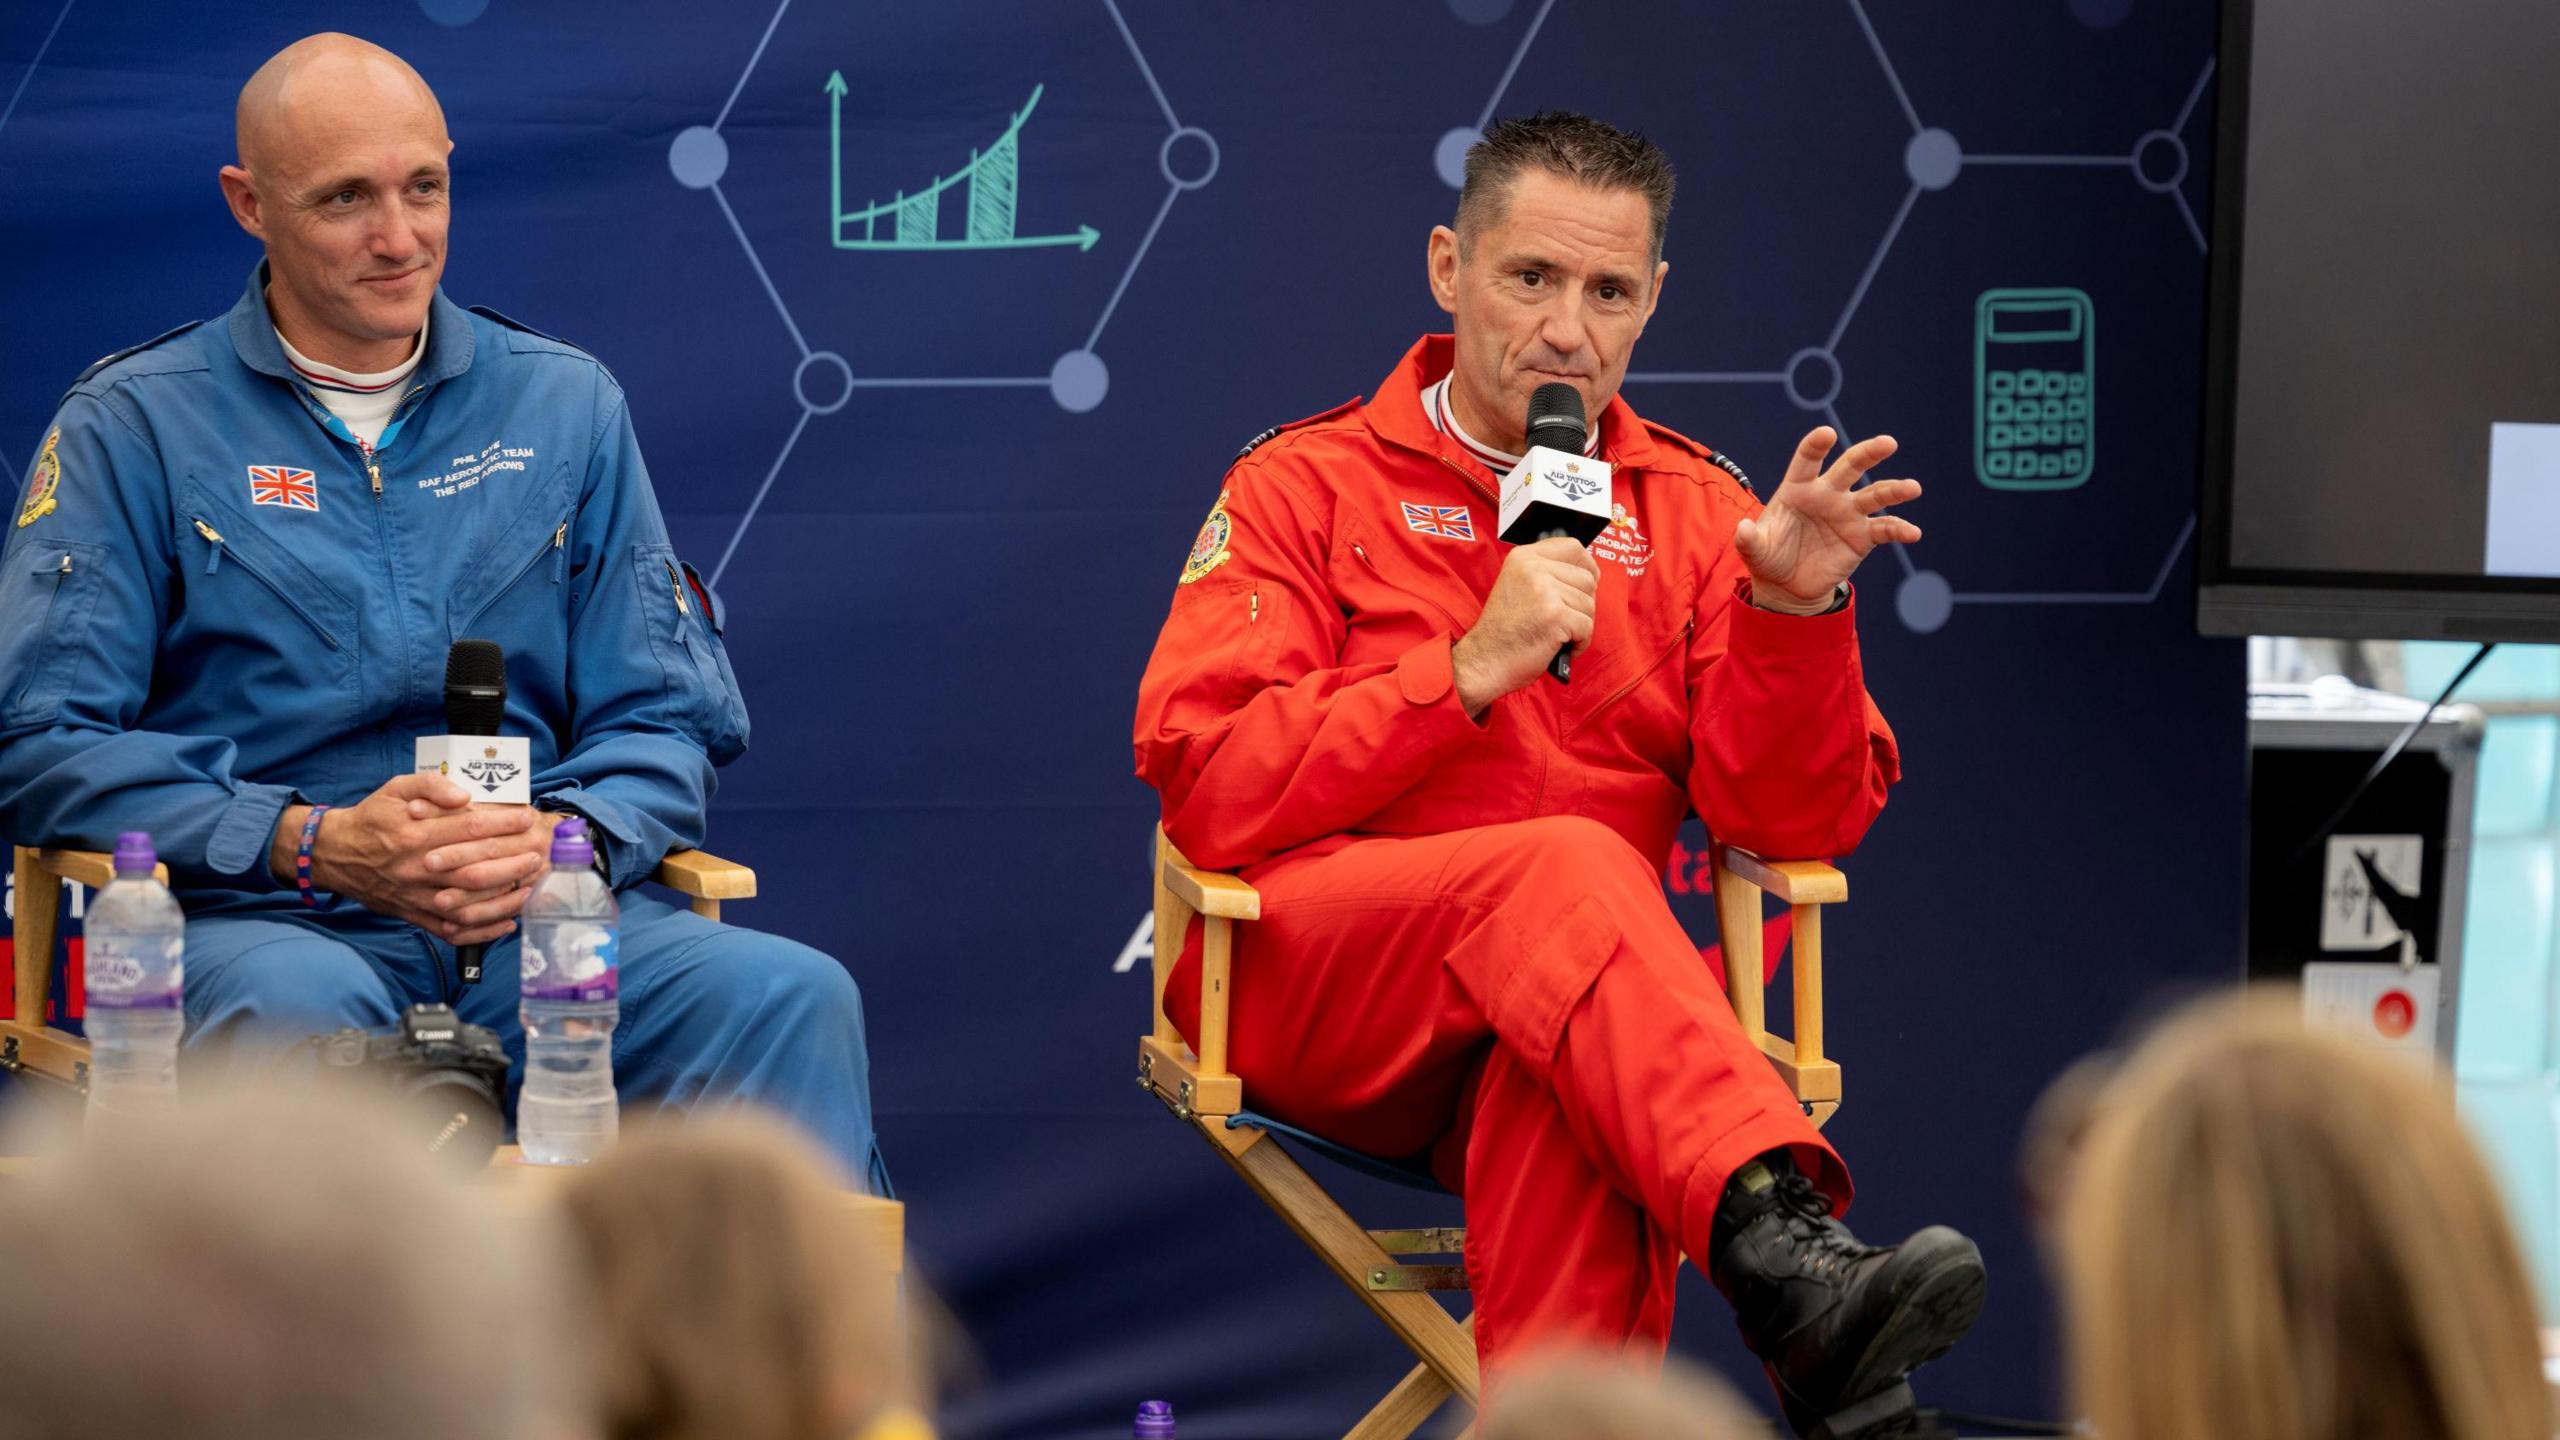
(1834,1321)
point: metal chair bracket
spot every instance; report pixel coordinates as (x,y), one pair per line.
(1430,1240)
(1417,1277)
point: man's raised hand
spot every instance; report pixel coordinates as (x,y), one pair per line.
(1820,525)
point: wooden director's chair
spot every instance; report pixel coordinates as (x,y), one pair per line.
(1201,1092)
(29,1046)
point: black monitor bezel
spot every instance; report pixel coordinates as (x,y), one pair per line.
(2237,600)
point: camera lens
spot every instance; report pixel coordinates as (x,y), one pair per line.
(459,1114)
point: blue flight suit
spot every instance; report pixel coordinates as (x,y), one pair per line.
(214,604)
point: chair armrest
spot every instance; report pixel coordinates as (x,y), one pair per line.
(1794,882)
(1211,893)
(93,868)
(701,875)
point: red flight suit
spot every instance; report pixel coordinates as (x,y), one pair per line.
(1465,946)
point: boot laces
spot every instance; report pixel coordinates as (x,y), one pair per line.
(1824,1246)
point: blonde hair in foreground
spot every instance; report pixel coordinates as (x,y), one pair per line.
(2275,1234)
(273,1264)
(1603,1397)
(734,1299)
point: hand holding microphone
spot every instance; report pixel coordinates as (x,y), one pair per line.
(418,850)
(1555,501)
(1542,606)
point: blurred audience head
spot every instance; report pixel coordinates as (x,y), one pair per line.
(273,1266)
(2271,1233)
(1604,1397)
(737,1299)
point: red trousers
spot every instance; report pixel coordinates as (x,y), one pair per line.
(1519,1000)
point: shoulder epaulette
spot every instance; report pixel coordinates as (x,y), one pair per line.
(1708,453)
(1258,441)
(521,328)
(132,350)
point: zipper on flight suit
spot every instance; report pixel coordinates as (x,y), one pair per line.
(1456,630)
(556,547)
(213,564)
(1678,642)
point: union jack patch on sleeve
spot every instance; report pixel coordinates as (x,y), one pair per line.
(1451,522)
(283,485)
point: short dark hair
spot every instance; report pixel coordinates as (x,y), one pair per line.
(1577,147)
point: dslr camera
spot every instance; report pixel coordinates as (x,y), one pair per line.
(445,1074)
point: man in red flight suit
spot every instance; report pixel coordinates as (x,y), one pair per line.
(1465,948)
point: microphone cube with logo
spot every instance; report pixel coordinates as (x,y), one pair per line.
(1555,489)
(1551,492)
(496,769)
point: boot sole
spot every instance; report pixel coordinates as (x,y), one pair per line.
(1937,1297)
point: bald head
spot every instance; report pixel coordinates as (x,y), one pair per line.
(343,174)
(319,82)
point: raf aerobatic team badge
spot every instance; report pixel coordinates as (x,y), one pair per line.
(1210,550)
(47,479)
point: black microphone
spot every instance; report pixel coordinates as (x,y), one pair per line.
(1555,419)
(475,700)
(1555,489)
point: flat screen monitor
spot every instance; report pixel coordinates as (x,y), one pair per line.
(2382,427)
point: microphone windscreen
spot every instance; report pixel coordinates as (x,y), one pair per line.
(475,687)
(1557,408)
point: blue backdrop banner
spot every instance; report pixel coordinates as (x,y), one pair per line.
(940,324)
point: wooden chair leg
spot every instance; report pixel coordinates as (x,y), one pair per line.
(1443,1346)
(38,921)
(1416,1398)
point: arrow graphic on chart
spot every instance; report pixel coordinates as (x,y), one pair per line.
(992,178)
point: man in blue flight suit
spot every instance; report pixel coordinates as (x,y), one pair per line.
(232,579)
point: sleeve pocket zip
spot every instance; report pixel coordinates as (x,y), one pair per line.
(216,545)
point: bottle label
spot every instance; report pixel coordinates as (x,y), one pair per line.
(114,978)
(590,968)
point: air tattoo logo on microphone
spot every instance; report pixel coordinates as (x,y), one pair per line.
(489,772)
(1573,482)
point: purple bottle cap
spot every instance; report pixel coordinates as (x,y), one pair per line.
(571,845)
(134,854)
(1155,1421)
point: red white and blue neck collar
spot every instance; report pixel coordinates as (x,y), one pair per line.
(1444,418)
(320,376)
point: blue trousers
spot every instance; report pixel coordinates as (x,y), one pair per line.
(712,1015)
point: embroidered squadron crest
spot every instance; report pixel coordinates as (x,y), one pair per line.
(1624,542)
(46,480)
(1210,550)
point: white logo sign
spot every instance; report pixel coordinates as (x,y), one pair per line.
(2370,888)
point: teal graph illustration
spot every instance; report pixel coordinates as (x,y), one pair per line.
(989,186)
(2035,360)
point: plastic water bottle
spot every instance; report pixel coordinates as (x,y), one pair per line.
(567,1114)
(136,947)
(1155,1421)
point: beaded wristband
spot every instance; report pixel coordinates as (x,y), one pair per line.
(302,856)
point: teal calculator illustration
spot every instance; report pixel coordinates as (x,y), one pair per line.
(2035,361)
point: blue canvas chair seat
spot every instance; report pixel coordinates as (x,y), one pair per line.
(1413,1172)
